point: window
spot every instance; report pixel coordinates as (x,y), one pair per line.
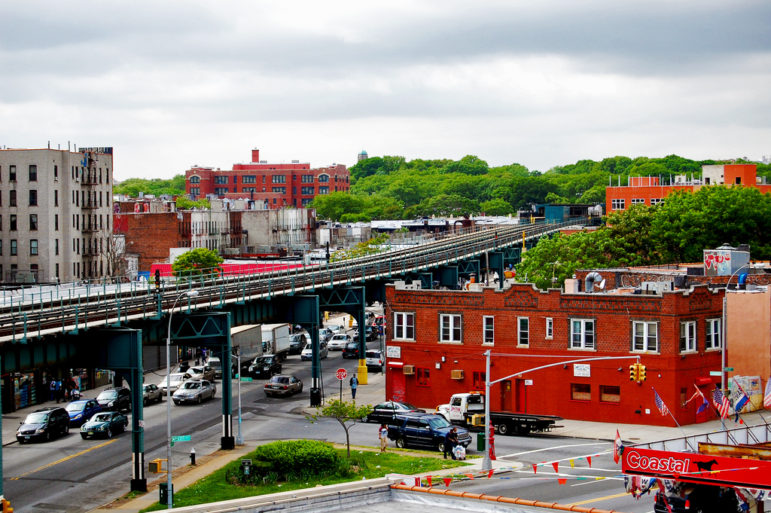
(638,201)
(195,179)
(450,328)
(488,328)
(610,394)
(32,197)
(581,333)
(33,247)
(12,198)
(323,178)
(32,173)
(523,331)
(617,204)
(219,191)
(1,250)
(479,380)
(12,173)
(278,179)
(687,336)
(33,222)
(713,340)
(249,179)
(306,179)
(423,376)
(549,328)
(221,180)
(645,336)
(56,222)
(404,326)
(56,246)
(195,191)
(14,247)
(305,191)
(280,190)
(56,198)
(248,189)
(580,391)
(306,201)
(13,227)
(323,190)
(656,201)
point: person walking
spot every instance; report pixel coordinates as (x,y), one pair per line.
(52,389)
(383,435)
(58,390)
(354,382)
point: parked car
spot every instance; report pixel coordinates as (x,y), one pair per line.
(151,394)
(104,424)
(44,424)
(351,350)
(82,410)
(385,412)
(194,391)
(374,359)
(424,429)
(216,364)
(202,372)
(370,334)
(116,399)
(283,385)
(336,328)
(265,366)
(297,342)
(325,334)
(338,341)
(307,353)
(175,380)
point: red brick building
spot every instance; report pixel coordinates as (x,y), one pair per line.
(647,190)
(437,338)
(275,185)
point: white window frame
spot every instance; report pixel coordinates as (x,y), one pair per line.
(638,201)
(523,333)
(618,204)
(580,335)
(549,328)
(688,343)
(714,334)
(645,336)
(404,326)
(488,330)
(451,328)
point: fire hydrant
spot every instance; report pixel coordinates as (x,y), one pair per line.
(192,456)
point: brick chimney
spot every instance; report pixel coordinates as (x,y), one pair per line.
(255,155)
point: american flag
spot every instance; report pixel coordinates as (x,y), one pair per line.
(767,395)
(721,403)
(660,403)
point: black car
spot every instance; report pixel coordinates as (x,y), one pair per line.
(424,430)
(385,412)
(44,424)
(297,342)
(351,350)
(265,366)
(116,399)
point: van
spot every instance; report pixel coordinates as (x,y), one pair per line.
(44,424)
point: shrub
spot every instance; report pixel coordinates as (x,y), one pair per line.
(299,458)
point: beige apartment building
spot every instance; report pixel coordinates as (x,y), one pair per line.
(55,215)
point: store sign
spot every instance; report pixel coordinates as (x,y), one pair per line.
(582,370)
(393,352)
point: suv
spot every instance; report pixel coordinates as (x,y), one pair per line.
(265,366)
(374,360)
(116,399)
(351,350)
(44,424)
(424,429)
(297,342)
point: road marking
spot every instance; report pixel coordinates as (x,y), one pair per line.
(607,497)
(551,449)
(62,460)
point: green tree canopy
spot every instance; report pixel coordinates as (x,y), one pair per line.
(196,262)
(344,412)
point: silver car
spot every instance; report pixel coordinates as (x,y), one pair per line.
(176,379)
(338,342)
(151,394)
(194,391)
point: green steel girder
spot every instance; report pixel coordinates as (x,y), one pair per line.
(304,310)
(496,259)
(426,280)
(448,276)
(469,267)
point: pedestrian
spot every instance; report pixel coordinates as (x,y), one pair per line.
(354,382)
(450,441)
(383,435)
(59,390)
(52,389)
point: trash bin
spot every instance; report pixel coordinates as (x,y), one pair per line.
(481,442)
(163,492)
(315,397)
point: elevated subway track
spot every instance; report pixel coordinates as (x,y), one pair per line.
(99,307)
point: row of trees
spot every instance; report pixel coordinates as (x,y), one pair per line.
(677,230)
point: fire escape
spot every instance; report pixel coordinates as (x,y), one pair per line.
(93,245)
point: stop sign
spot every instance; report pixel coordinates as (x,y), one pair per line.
(341,374)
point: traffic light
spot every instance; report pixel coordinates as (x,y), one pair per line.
(7,506)
(633,372)
(157,280)
(640,373)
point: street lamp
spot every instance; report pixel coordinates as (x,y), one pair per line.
(169,493)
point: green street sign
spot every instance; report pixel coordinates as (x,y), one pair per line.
(729,369)
(246,379)
(181,438)
(715,373)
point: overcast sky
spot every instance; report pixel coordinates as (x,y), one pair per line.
(172,83)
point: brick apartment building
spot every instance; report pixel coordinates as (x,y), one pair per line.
(647,190)
(273,185)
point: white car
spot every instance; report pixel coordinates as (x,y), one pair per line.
(374,359)
(338,342)
(307,353)
(176,379)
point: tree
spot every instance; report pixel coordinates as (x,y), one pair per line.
(196,262)
(496,207)
(185,203)
(344,412)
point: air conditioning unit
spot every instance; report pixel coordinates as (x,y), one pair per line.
(408,370)
(456,374)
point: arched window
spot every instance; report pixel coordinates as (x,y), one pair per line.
(323,178)
(195,179)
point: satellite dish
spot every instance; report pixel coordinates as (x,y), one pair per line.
(602,284)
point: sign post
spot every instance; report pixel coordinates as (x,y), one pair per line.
(341,374)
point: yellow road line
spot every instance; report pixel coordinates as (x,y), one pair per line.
(81,453)
(614,496)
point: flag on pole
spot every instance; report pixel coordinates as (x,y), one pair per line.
(617,448)
(743,399)
(704,402)
(660,403)
(767,395)
(721,403)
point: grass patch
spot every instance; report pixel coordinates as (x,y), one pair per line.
(364,464)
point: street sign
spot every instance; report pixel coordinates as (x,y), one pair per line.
(729,369)
(715,373)
(181,438)
(341,374)
(246,379)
